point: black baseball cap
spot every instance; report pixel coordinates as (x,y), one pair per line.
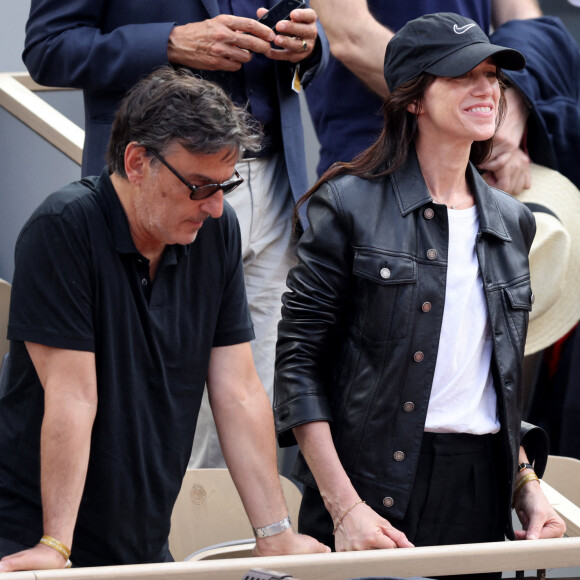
(443,44)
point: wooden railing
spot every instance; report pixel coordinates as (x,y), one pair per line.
(537,555)
(17,96)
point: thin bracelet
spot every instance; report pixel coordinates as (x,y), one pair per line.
(521,483)
(56,545)
(339,520)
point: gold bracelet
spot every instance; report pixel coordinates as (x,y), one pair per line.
(56,545)
(520,484)
(339,520)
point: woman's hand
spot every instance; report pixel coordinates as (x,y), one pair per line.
(363,529)
(538,517)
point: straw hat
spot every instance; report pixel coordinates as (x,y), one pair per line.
(554,257)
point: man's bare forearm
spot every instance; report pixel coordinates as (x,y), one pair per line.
(356,39)
(65,447)
(70,406)
(504,10)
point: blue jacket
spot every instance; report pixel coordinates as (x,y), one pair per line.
(105,47)
(551,84)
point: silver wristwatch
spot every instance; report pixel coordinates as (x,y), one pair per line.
(273,529)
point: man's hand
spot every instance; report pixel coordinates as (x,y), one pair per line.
(297,36)
(40,557)
(363,529)
(288,543)
(221,43)
(508,167)
(538,517)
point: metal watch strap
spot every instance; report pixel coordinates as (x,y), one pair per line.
(523,466)
(273,529)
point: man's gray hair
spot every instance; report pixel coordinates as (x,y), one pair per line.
(173,105)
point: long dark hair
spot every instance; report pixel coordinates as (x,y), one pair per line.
(390,150)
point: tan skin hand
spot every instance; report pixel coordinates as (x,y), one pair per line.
(537,516)
(288,543)
(221,43)
(291,33)
(40,557)
(226,42)
(363,529)
(509,166)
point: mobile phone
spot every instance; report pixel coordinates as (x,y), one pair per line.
(280,11)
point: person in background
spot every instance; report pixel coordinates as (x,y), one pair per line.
(358,31)
(136,299)
(103,48)
(550,87)
(402,335)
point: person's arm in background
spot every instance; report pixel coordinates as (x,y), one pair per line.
(221,43)
(66,46)
(509,166)
(356,39)
(504,10)
(245,426)
(70,394)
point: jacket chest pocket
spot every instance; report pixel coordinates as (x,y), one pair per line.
(518,303)
(385,286)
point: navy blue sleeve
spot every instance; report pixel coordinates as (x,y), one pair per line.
(550,82)
(93,43)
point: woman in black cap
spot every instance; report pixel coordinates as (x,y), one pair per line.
(399,352)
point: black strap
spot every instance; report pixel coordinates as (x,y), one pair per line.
(536,207)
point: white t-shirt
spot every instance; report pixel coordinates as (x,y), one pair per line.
(463,398)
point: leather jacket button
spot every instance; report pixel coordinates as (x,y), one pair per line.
(385,273)
(418,356)
(388,502)
(428,213)
(408,407)
(432,254)
(426,307)
(399,456)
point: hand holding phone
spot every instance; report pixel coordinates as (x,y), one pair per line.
(280,11)
(295,36)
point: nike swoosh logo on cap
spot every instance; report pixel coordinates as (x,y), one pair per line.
(462,29)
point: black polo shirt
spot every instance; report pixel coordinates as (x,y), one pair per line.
(81,284)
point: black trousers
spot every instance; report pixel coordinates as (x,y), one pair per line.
(456,496)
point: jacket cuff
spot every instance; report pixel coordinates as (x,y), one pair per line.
(536,443)
(298,411)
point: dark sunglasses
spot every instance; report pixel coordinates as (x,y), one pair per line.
(202,191)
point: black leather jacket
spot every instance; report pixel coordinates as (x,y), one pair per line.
(360,326)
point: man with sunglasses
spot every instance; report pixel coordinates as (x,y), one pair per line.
(105,47)
(128,296)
